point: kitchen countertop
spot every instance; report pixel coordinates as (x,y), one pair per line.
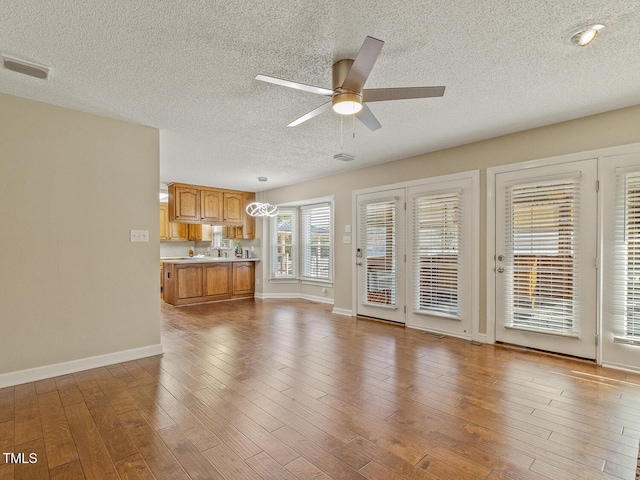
(206,259)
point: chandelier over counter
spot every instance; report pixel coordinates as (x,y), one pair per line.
(258,209)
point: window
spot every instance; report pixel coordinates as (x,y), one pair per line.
(303,251)
(283,244)
(316,242)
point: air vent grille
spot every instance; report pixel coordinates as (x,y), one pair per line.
(24,67)
(344,157)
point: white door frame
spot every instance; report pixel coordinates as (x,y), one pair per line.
(491,227)
(475,262)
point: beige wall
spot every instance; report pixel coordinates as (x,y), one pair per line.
(71,187)
(608,129)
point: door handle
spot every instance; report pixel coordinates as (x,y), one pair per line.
(359,264)
(501,258)
(500,270)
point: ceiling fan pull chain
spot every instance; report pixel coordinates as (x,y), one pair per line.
(341,132)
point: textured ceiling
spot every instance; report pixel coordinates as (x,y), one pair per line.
(187,67)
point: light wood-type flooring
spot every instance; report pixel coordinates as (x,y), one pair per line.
(283,389)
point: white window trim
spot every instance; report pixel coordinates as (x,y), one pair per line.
(299,278)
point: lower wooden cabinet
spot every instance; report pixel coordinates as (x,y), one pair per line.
(243,279)
(187,283)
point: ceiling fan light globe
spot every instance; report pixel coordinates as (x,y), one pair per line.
(347,103)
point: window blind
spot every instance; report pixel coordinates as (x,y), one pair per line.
(627,259)
(437,260)
(283,244)
(542,256)
(379,224)
(317,249)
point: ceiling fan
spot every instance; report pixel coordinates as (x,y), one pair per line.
(348,96)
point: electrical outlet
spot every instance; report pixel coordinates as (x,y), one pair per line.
(138,235)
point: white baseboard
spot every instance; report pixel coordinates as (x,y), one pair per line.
(624,368)
(313,298)
(484,338)
(342,311)
(298,296)
(64,368)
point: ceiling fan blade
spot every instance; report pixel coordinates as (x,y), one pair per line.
(384,94)
(362,65)
(367,117)
(296,85)
(325,107)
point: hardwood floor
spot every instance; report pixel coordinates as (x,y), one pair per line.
(272,389)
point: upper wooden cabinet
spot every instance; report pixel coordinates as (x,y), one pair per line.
(233,207)
(164,221)
(171,230)
(184,203)
(206,205)
(249,230)
(210,205)
(200,233)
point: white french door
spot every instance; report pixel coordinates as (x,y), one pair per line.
(621,261)
(546,276)
(416,253)
(380,255)
(439,246)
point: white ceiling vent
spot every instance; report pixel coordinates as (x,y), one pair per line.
(26,68)
(344,157)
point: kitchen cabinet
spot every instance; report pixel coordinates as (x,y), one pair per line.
(243,279)
(186,282)
(193,204)
(184,203)
(164,221)
(171,231)
(232,232)
(249,224)
(217,281)
(211,205)
(200,233)
(233,205)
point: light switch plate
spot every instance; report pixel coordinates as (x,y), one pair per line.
(346,239)
(138,235)
(347,229)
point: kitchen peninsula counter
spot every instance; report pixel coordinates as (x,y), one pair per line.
(189,280)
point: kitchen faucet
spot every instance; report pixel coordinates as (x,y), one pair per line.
(218,249)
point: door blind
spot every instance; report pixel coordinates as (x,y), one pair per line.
(627,259)
(437,260)
(379,225)
(542,256)
(317,251)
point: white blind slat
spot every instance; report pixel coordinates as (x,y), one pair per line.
(627,258)
(379,226)
(317,249)
(284,244)
(437,260)
(542,256)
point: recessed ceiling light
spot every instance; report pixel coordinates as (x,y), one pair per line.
(587,35)
(262,179)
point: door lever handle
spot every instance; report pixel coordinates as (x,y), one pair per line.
(359,264)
